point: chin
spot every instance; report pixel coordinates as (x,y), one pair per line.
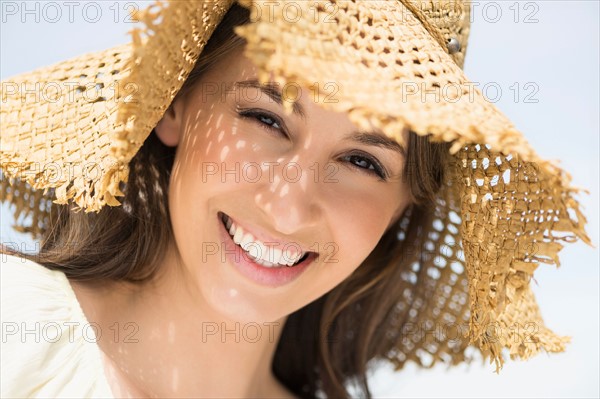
(231,298)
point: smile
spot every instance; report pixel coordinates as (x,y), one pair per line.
(267,261)
(270,254)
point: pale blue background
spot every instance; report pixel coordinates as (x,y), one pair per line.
(560,54)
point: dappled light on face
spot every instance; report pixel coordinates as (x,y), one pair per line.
(175,379)
(258,198)
(233,129)
(284,190)
(308,141)
(224,152)
(205,130)
(285,202)
(171,332)
(210,109)
(276,180)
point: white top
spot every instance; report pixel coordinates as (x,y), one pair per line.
(48,347)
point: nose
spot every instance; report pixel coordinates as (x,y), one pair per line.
(289,198)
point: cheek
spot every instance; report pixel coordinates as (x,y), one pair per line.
(358,226)
(208,160)
(203,176)
(358,219)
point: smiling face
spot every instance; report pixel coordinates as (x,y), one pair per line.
(301,182)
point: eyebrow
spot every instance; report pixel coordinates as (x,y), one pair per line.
(272,90)
(376,140)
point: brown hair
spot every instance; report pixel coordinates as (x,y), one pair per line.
(324,346)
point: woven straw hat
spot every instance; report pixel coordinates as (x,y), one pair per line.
(502,211)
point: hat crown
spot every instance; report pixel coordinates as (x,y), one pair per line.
(446,21)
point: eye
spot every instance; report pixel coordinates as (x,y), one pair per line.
(366,164)
(265,119)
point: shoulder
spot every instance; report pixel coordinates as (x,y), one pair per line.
(48,348)
(31,293)
(19,273)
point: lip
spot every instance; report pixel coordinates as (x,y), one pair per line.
(271,277)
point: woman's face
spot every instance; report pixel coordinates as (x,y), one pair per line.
(289,183)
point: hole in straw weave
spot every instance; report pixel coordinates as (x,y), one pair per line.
(457,267)
(410,277)
(440,262)
(494,180)
(434,273)
(429,246)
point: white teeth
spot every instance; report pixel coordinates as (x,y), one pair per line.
(288,256)
(254,251)
(276,255)
(237,237)
(265,263)
(247,239)
(262,250)
(258,251)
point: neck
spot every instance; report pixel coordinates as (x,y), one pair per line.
(160,339)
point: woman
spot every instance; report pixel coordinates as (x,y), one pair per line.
(286,248)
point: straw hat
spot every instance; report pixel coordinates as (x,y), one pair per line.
(397,64)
